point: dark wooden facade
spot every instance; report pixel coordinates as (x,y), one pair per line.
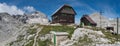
(87,21)
(110,28)
(64,15)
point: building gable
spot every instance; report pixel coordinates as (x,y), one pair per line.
(65,9)
(87,20)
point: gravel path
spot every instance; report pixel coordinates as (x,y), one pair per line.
(38,30)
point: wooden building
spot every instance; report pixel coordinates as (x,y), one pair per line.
(64,15)
(87,21)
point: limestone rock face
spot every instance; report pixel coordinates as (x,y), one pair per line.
(105,22)
(34,18)
(88,37)
(100,20)
(12,26)
(114,24)
(9,28)
(37,18)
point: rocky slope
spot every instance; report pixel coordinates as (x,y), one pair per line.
(15,30)
(88,37)
(9,28)
(37,18)
(105,22)
(80,37)
(100,20)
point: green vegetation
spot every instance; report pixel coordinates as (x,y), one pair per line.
(70,29)
(44,43)
(108,34)
(31,31)
(47,29)
(31,41)
(10,43)
(30,44)
(20,38)
(83,41)
(94,28)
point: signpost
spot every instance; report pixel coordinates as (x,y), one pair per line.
(54,40)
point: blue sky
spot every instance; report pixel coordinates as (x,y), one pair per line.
(110,8)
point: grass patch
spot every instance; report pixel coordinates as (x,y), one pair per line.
(10,44)
(31,31)
(47,29)
(30,44)
(83,41)
(43,43)
(20,38)
(108,34)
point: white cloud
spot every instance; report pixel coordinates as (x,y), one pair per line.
(12,10)
(29,9)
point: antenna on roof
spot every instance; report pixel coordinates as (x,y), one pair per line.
(100,18)
(117,27)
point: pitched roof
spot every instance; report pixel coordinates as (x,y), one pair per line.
(63,7)
(89,19)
